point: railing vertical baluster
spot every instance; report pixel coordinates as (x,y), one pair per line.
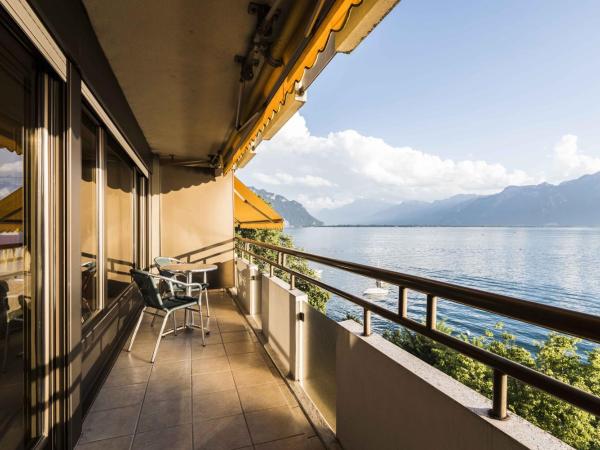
(403,302)
(500,400)
(292,282)
(271,270)
(431,320)
(367,322)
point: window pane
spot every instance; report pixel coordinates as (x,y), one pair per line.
(15,298)
(88,218)
(119,221)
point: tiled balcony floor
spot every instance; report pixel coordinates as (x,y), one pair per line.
(227,395)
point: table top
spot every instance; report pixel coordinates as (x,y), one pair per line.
(190,267)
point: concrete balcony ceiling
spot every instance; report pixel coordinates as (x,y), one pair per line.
(175,62)
(180,65)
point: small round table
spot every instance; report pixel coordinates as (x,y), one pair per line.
(189,269)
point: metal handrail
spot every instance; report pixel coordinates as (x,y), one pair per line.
(573,323)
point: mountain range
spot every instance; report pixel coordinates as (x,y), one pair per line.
(294,214)
(571,203)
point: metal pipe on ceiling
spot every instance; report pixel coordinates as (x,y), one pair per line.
(296,17)
(280,44)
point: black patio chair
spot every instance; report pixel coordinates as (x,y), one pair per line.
(147,283)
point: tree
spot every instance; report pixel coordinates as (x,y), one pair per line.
(317,297)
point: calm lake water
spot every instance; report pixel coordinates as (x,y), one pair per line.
(557,266)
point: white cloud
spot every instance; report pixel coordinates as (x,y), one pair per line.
(569,162)
(15,167)
(285,178)
(319,203)
(346,165)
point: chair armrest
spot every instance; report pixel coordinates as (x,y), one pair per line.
(175,281)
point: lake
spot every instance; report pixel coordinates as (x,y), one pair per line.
(557,266)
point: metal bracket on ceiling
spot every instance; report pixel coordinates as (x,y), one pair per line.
(261,41)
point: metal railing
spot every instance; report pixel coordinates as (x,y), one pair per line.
(585,326)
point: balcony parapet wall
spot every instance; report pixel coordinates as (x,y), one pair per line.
(370,392)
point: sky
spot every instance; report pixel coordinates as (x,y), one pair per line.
(446,98)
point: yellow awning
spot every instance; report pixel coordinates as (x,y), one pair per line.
(347,22)
(11,212)
(250,211)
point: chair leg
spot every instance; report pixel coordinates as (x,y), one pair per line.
(160,335)
(201,321)
(137,327)
(174,323)
(207,312)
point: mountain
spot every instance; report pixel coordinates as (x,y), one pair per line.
(293,212)
(415,212)
(571,203)
(353,213)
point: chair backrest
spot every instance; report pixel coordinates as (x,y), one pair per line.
(147,285)
(164,261)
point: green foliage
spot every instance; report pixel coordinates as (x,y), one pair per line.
(557,356)
(317,297)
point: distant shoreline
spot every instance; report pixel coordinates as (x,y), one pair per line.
(450,226)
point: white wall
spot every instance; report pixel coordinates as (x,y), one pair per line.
(249,284)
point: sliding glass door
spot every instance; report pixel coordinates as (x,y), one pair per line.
(21,321)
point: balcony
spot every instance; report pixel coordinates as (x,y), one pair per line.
(226,395)
(277,373)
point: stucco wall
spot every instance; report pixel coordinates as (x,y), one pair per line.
(248,286)
(389,399)
(196,219)
(280,326)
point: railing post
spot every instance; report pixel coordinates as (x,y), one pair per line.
(403,302)
(367,322)
(271,270)
(292,282)
(431,320)
(500,400)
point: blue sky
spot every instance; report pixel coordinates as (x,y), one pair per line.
(509,83)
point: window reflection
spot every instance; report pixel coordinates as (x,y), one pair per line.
(89,218)
(119,221)
(14,294)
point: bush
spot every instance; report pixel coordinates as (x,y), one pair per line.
(557,356)
(317,297)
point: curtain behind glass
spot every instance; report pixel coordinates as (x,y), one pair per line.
(89,219)
(119,221)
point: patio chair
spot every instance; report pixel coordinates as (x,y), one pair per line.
(148,285)
(162,261)
(175,288)
(11,313)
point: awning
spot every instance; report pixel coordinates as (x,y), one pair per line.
(347,23)
(11,212)
(250,211)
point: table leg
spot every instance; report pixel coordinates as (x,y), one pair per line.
(188,292)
